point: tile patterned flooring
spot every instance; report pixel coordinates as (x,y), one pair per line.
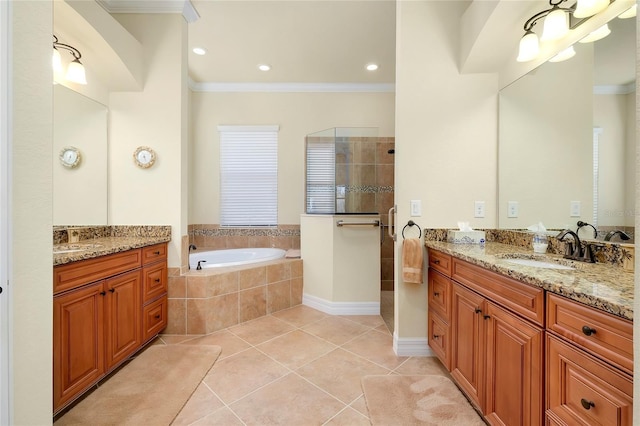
(295,367)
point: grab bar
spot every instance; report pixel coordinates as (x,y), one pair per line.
(343,223)
(392,222)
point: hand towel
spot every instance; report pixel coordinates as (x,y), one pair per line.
(412,261)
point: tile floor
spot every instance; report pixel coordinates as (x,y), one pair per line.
(295,367)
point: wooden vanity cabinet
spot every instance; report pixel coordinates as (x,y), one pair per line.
(155,286)
(439,316)
(98,318)
(496,342)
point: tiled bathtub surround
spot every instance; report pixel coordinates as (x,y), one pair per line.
(201,302)
(215,237)
(612,253)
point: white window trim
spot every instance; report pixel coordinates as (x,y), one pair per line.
(269,222)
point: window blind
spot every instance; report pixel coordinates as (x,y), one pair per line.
(321,172)
(248,176)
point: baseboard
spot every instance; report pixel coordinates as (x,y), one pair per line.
(341,308)
(411,346)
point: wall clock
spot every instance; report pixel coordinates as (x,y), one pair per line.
(70,157)
(144,157)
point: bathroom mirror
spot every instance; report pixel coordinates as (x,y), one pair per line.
(554,122)
(79,186)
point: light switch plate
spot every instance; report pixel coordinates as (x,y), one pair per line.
(478,209)
(512,209)
(416,208)
(574,209)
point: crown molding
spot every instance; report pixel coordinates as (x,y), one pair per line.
(184,7)
(293,87)
(621,89)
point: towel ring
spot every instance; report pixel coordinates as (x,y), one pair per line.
(411,223)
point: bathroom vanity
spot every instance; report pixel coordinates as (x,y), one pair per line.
(531,345)
(110,299)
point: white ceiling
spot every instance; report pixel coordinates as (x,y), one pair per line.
(314,41)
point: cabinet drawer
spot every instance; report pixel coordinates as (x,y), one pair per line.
(70,275)
(603,334)
(440,261)
(154,318)
(584,390)
(439,294)
(154,281)
(524,299)
(440,339)
(154,253)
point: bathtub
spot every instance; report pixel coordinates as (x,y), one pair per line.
(233,257)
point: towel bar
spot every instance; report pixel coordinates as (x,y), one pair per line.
(343,223)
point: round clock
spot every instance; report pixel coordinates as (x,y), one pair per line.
(144,157)
(70,156)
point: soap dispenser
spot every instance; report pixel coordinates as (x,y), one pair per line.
(540,242)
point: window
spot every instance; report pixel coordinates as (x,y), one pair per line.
(248,176)
(321,171)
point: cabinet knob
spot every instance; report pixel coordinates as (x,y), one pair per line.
(103,293)
(478,311)
(437,262)
(587,404)
(588,330)
(112,290)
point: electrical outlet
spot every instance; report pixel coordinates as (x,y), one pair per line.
(575,209)
(478,209)
(416,208)
(512,209)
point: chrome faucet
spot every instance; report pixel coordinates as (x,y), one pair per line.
(623,235)
(576,253)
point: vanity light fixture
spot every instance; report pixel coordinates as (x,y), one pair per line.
(264,67)
(199,51)
(586,8)
(555,26)
(372,67)
(75,71)
(596,35)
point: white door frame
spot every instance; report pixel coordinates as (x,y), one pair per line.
(5,226)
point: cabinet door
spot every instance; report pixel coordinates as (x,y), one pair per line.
(467,342)
(514,369)
(78,342)
(123,325)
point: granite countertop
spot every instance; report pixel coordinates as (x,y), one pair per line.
(603,287)
(95,247)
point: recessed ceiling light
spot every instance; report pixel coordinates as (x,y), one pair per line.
(372,67)
(199,50)
(264,67)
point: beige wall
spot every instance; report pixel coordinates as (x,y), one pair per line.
(153,117)
(446,132)
(31,307)
(297,114)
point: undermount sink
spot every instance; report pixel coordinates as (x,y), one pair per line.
(538,261)
(72,248)
(539,264)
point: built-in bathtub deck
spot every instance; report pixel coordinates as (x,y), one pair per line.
(208,300)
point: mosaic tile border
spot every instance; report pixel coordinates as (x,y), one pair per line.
(88,232)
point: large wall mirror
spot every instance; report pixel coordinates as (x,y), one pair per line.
(79,184)
(567,138)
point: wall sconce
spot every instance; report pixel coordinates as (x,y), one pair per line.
(556,26)
(75,70)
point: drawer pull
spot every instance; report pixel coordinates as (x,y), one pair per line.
(436,336)
(437,262)
(103,293)
(587,404)
(436,294)
(478,311)
(588,330)
(157,316)
(157,253)
(157,280)
(487,317)
(112,290)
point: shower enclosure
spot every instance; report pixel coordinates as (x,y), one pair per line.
(350,170)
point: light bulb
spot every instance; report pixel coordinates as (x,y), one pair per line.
(567,53)
(529,47)
(76,73)
(586,8)
(555,25)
